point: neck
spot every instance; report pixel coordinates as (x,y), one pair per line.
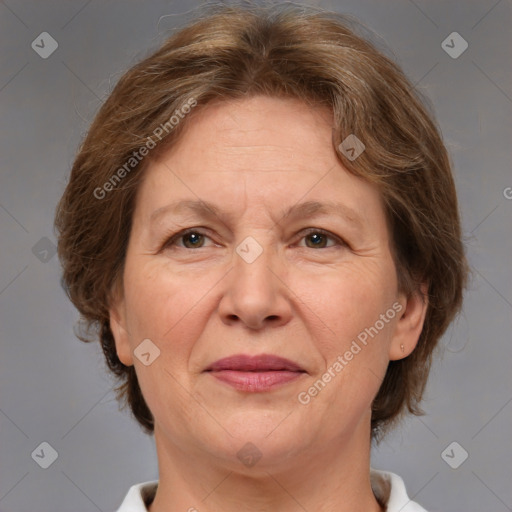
(335,479)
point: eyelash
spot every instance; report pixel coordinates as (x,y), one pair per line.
(309,231)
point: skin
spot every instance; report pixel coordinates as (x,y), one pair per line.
(199,301)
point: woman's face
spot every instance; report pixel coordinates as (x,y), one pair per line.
(259,277)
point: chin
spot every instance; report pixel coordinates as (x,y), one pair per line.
(262,439)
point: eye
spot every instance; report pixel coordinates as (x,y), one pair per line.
(319,237)
(192,239)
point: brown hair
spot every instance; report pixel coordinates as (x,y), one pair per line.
(281,51)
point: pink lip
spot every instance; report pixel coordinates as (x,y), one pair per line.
(259,363)
(255,373)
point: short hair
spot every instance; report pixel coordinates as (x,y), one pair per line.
(281,51)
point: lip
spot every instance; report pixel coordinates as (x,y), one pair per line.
(255,373)
(258,363)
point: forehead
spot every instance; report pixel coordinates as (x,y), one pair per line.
(232,134)
(259,150)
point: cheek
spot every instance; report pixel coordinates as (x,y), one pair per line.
(352,339)
(346,302)
(158,300)
(162,307)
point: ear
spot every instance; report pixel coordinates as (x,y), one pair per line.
(410,323)
(117,312)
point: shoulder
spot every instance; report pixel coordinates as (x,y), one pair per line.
(389,489)
(138,497)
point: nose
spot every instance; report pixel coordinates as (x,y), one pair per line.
(256,293)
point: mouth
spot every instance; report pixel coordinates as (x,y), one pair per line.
(255,373)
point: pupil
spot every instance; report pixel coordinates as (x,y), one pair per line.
(193,236)
(318,238)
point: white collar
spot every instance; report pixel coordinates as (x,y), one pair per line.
(388,487)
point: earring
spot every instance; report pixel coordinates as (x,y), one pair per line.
(402,347)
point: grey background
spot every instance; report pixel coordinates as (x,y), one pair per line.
(54,388)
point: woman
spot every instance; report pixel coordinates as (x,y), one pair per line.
(262,224)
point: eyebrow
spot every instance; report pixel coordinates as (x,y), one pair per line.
(208,210)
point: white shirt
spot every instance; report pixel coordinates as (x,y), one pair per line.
(388,488)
